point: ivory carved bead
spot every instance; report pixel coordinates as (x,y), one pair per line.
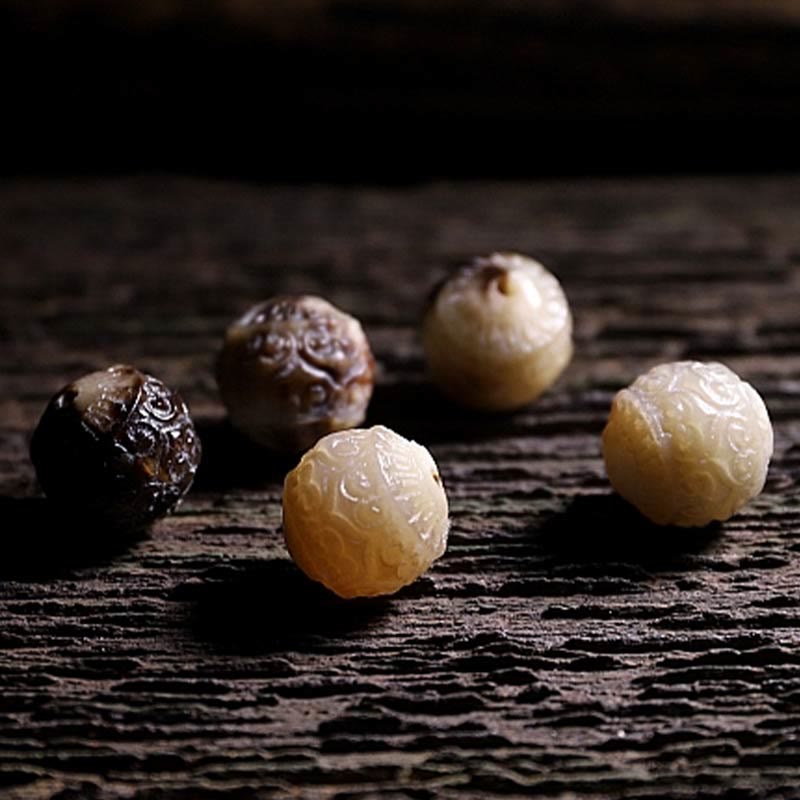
(497,333)
(365,512)
(688,443)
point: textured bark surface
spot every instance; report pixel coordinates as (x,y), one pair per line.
(561,646)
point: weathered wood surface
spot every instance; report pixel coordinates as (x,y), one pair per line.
(562,647)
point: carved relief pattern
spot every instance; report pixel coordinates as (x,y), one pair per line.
(129,454)
(312,366)
(711,431)
(536,308)
(307,341)
(365,512)
(160,442)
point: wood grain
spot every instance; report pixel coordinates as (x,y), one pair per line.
(561,648)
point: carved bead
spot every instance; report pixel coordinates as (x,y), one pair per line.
(688,443)
(116,447)
(293,369)
(498,332)
(365,512)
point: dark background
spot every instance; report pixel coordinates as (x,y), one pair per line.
(399,90)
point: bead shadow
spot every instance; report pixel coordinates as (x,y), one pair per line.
(38,542)
(270,606)
(605,529)
(417,410)
(231,461)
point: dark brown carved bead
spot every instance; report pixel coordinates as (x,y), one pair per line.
(116,446)
(293,369)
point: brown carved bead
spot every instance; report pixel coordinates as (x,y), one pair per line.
(117,447)
(293,369)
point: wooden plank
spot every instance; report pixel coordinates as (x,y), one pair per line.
(560,646)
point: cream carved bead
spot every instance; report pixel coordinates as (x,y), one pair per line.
(498,332)
(688,443)
(365,512)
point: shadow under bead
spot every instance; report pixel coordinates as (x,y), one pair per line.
(116,448)
(293,369)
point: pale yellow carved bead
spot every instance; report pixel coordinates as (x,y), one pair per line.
(497,333)
(688,443)
(365,512)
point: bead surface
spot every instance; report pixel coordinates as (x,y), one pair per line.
(295,368)
(688,443)
(498,332)
(365,512)
(116,447)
